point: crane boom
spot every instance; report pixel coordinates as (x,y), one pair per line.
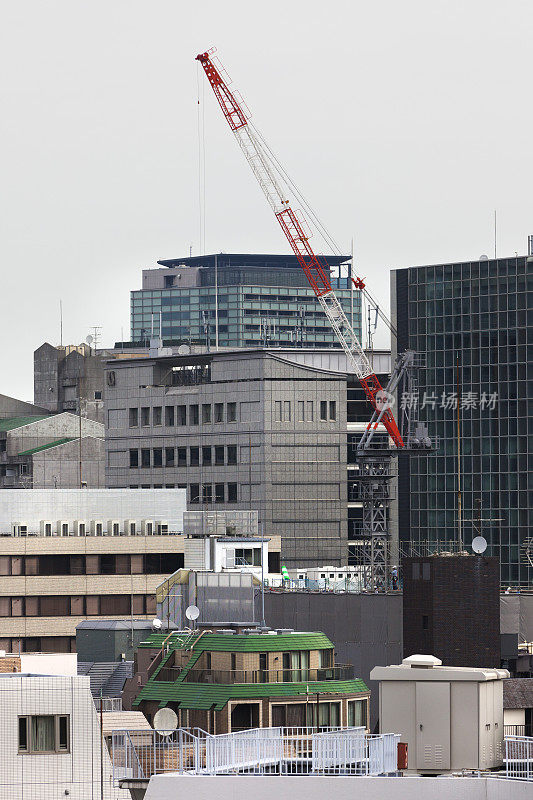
(314,266)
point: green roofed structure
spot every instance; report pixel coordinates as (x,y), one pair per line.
(233,678)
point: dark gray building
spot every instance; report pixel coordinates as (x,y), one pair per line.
(264,429)
(477,316)
(238,300)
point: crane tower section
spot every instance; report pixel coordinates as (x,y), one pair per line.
(314,266)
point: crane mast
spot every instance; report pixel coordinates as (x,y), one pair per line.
(315,267)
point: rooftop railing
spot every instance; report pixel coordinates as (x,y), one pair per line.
(341,672)
(519,757)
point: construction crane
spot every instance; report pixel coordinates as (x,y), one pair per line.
(315,267)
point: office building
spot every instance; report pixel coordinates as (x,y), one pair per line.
(229,680)
(42,451)
(270,430)
(473,324)
(236,301)
(82,554)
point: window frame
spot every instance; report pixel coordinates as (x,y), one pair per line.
(29,749)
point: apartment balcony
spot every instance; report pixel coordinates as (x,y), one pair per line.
(341,672)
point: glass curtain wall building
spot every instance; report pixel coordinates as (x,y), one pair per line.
(472,321)
(258,299)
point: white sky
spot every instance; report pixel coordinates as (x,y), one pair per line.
(405,123)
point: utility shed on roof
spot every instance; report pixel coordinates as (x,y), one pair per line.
(450,717)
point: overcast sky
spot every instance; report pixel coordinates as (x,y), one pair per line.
(404,123)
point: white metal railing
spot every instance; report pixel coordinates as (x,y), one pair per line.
(258,751)
(519,757)
(108,703)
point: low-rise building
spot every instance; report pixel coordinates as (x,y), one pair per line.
(234,679)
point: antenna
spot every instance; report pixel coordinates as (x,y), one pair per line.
(192,613)
(165,721)
(479,545)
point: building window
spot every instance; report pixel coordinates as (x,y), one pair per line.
(169,416)
(277,411)
(194,455)
(98,395)
(219,492)
(310,414)
(219,412)
(323,411)
(219,455)
(333,410)
(158,457)
(182,415)
(182,457)
(232,493)
(357,716)
(232,453)
(44,734)
(425,622)
(23,469)
(145,416)
(206,456)
(193,415)
(194,493)
(169,456)
(145,458)
(232,412)
(134,459)
(206,413)
(286,410)
(158,413)
(301,411)
(207,493)
(134,417)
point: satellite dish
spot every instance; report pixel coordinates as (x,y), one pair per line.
(184,350)
(484,257)
(89,339)
(479,544)
(192,612)
(165,721)
(157,624)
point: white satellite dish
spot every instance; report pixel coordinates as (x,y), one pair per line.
(192,612)
(157,624)
(89,339)
(184,350)
(165,721)
(479,544)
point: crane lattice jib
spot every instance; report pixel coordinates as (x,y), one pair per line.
(315,267)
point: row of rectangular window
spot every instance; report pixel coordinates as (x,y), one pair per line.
(177,456)
(213,493)
(108,564)
(304,410)
(178,415)
(77,605)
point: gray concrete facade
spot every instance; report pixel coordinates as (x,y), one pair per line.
(271,422)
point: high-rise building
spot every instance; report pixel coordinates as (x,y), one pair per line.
(238,300)
(473,324)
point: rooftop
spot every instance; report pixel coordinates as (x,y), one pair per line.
(10,423)
(261,260)
(518,693)
(56,443)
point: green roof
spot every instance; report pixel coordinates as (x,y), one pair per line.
(46,446)
(242,643)
(10,423)
(207,695)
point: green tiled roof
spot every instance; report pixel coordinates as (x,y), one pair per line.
(205,695)
(241,643)
(10,423)
(46,446)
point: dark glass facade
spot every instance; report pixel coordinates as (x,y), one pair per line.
(478,315)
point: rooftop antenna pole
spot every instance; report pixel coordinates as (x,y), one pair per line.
(495,231)
(61,323)
(459,493)
(216,302)
(350,276)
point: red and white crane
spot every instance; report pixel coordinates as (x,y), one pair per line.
(315,267)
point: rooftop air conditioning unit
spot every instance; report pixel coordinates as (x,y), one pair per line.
(130,527)
(148,527)
(47,527)
(97,527)
(80,527)
(63,527)
(162,528)
(113,527)
(20,529)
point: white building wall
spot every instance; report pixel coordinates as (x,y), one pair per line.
(75,774)
(49,663)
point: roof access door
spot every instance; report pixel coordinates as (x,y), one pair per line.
(432,725)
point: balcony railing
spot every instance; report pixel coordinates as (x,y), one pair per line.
(341,672)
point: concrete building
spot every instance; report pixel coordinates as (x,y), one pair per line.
(476,316)
(235,300)
(77,554)
(451,718)
(50,737)
(271,430)
(226,681)
(43,451)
